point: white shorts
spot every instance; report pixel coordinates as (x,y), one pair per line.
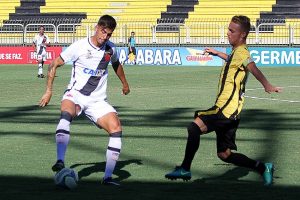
(41,57)
(92,108)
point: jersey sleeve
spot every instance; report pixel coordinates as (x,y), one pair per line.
(247,61)
(115,57)
(241,58)
(70,53)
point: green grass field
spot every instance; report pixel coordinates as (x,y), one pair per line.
(154,116)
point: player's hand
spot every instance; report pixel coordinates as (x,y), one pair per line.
(125,89)
(270,88)
(210,51)
(45,99)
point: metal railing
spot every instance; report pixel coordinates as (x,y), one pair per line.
(162,33)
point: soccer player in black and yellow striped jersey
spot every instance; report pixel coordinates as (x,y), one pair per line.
(224,116)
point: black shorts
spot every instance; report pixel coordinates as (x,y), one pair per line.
(225,128)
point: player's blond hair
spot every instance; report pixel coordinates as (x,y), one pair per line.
(243,21)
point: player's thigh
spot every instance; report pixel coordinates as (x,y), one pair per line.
(44,56)
(206,120)
(134,50)
(226,134)
(110,122)
(39,58)
(201,124)
(70,107)
(104,115)
(72,101)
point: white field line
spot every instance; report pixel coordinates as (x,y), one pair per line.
(272,99)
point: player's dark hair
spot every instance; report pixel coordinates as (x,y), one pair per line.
(107,21)
(42,26)
(243,21)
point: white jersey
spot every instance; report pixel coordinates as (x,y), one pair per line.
(39,41)
(89,72)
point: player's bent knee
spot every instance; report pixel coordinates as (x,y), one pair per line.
(194,132)
(194,129)
(114,129)
(66,115)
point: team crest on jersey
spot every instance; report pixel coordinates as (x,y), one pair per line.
(44,39)
(89,54)
(107,56)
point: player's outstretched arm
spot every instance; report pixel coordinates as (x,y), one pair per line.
(50,78)
(118,68)
(216,53)
(262,79)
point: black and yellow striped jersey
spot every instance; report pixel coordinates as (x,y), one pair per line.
(232,82)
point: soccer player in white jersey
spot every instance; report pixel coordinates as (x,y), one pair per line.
(40,42)
(86,91)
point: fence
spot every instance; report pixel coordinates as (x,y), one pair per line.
(198,33)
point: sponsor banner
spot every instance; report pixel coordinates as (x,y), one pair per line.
(171,56)
(274,56)
(25,55)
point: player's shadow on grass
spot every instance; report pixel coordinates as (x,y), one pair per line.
(232,175)
(31,188)
(100,167)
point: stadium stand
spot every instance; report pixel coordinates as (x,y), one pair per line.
(138,15)
(160,20)
(212,9)
(283,9)
(28,11)
(209,17)
(178,11)
(121,10)
(6,7)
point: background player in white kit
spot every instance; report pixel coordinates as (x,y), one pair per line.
(40,42)
(87,91)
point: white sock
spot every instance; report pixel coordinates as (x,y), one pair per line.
(112,155)
(40,69)
(62,138)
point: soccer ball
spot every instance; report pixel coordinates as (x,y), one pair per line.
(66,178)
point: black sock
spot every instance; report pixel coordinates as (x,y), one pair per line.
(192,145)
(243,161)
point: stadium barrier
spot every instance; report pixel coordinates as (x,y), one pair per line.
(25,55)
(197,33)
(166,56)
